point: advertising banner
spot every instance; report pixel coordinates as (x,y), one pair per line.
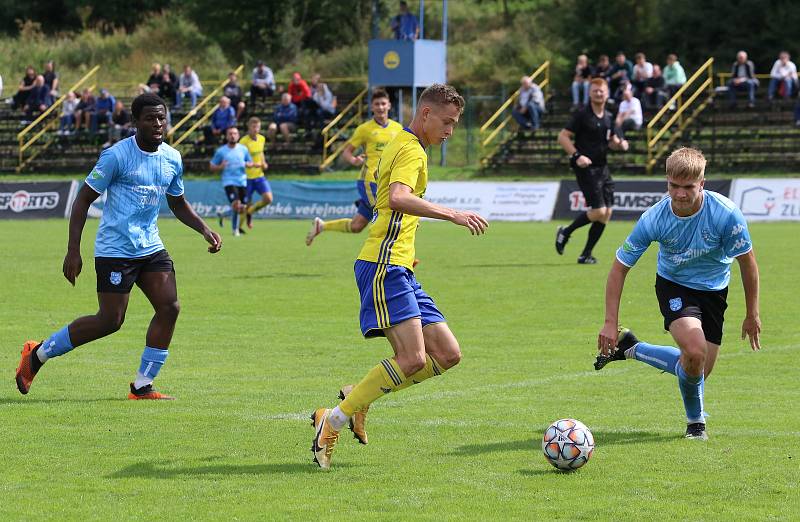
(631,197)
(497,201)
(768,199)
(36,200)
(291,200)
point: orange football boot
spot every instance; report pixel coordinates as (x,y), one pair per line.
(148,393)
(25,372)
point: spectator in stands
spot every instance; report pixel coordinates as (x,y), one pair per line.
(168,85)
(21,98)
(84,110)
(234,93)
(405,24)
(629,116)
(301,97)
(580,81)
(602,68)
(155,78)
(674,75)
(103,109)
(223,118)
(38,98)
(642,71)
(285,117)
(324,101)
(120,127)
(1,85)
(67,120)
(51,79)
(530,105)
(263,82)
(619,74)
(783,73)
(188,86)
(743,78)
(655,90)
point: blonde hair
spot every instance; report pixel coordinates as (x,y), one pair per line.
(441,94)
(686,163)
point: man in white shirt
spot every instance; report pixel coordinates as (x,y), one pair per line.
(629,116)
(784,71)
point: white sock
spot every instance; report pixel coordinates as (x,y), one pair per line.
(337,418)
(41,355)
(630,353)
(141,381)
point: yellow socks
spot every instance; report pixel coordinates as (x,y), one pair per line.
(431,369)
(252,209)
(382,379)
(337,225)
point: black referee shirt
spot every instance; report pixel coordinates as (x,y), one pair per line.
(591,134)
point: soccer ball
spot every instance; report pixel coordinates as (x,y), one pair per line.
(567,444)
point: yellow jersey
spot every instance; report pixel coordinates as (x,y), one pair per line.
(373,138)
(392,233)
(256,148)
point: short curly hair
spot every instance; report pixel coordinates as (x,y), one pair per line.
(148,99)
(442,94)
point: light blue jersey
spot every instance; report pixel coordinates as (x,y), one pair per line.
(236,156)
(695,251)
(135,181)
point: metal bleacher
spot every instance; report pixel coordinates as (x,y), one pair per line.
(733,138)
(37,148)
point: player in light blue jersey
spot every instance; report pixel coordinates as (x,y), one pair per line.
(699,233)
(232,159)
(136,174)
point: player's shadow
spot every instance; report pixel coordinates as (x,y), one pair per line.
(25,400)
(165,470)
(284,275)
(509,265)
(601,438)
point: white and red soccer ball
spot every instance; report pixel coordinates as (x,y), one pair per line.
(568,444)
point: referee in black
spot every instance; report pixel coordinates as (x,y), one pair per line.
(592,129)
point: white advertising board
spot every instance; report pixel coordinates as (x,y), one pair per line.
(767,199)
(512,201)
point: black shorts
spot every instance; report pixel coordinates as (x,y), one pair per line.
(596,185)
(709,306)
(118,274)
(236,193)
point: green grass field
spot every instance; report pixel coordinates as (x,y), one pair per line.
(269,331)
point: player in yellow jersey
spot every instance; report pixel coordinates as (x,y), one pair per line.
(256,181)
(393,304)
(372,137)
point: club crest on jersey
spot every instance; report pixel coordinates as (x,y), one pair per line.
(115,278)
(675,304)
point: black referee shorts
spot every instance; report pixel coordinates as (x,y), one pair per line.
(596,185)
(709,306)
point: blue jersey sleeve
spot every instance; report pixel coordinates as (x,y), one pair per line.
(636,244)
(247,156)
(218,157)
(103,172)
(736,239)
(176,185)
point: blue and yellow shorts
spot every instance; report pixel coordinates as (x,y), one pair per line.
(367,192)
(390,294)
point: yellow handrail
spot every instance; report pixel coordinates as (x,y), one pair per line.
(723,77)
(487,134)
(21,135)
(656,131)
(327,159)
(544,67)
(193,111)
